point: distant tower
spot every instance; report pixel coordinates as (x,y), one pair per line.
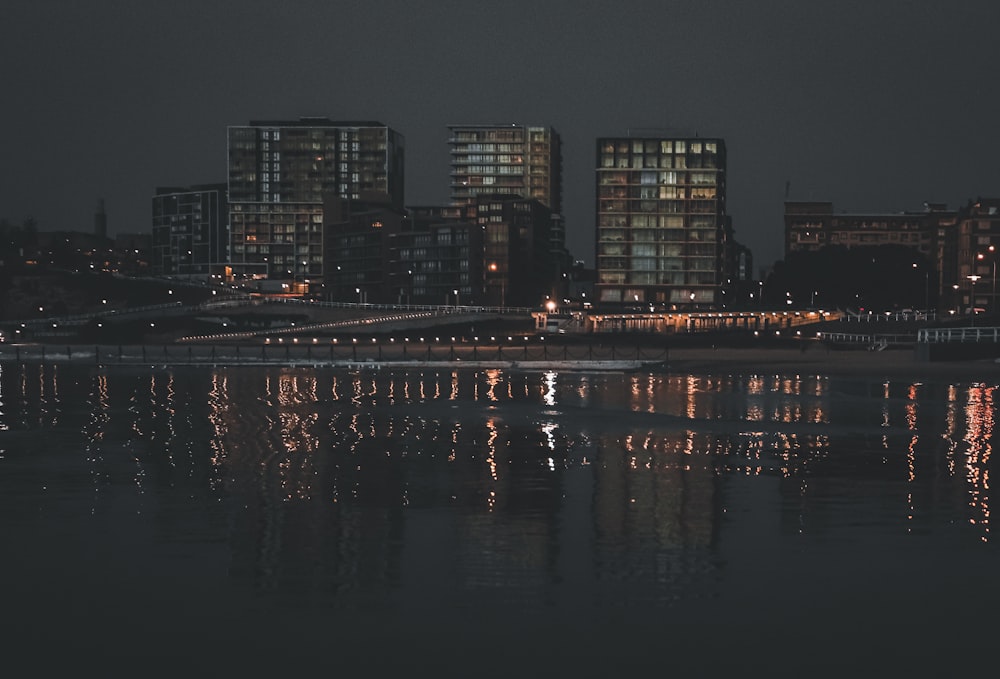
(100,220)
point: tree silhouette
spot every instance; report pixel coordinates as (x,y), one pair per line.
(879,277)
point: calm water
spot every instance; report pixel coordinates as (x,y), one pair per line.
(474,523)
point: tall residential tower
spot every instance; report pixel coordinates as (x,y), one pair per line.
(517,160)
(661,223)
(189,230)
(279,174)
(512,176)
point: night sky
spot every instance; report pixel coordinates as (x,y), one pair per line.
(875,106)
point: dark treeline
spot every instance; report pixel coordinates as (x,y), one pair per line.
(876,278)
(14,239)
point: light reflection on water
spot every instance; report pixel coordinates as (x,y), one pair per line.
(466,490)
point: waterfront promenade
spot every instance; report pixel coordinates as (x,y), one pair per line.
(805,357)
(592,356)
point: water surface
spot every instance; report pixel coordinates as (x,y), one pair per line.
(488,522)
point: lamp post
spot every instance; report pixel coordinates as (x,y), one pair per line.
(927,287)
(972,298)
(993,270)
(503,283)
(993,290)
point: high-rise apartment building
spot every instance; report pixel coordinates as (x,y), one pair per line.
(512,173)
(279,174)
(661,224)
(517,160)
(189,230)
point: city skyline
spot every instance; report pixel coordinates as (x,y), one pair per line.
(875,108)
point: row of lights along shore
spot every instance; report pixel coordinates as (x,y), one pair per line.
(335,340)
(422,340)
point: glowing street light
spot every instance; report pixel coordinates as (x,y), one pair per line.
(972,297)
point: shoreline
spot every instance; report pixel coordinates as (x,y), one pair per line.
(820,361)
(702,360)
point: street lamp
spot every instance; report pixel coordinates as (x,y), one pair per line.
(456,296)
(972,298)
(993,291)
(927,287)
(503,282)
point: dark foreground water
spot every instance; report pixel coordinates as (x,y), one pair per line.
(488,523)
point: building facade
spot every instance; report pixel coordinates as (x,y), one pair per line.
(190,230)
(811,226)
(520,266)
(511,177)
(358,240)
(661,222)
(977,249)
(439,262)
(279,175)
(496,251)
(516,160)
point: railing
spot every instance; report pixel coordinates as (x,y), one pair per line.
(948,335)
(174,308)
(889,316)
(874,341)
(80,319)
(362,322)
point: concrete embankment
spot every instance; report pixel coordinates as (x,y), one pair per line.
(808,359)
(421,356)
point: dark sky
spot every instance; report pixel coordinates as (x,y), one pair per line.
(874,105)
